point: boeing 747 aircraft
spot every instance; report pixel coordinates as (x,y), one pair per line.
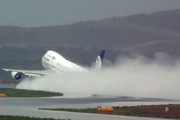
(54,62)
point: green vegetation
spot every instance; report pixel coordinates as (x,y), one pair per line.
(154,111)
(10,92)
(24,118)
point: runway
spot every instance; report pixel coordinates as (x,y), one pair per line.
(30,106)
(32,112)
(87,100)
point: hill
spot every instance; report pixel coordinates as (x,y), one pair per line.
(114,33)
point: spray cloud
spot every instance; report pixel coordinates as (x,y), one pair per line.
(136,77)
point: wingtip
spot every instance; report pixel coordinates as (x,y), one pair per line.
(4,69)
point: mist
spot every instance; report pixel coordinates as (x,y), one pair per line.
(136,76)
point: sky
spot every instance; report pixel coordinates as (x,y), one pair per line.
(35,13)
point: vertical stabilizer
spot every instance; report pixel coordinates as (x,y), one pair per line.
(99,59)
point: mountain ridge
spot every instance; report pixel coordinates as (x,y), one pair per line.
(112,33)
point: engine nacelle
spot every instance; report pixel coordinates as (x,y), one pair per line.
(16,75)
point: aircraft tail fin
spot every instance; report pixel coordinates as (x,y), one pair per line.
(99,59)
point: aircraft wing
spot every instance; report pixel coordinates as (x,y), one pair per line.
(33,73)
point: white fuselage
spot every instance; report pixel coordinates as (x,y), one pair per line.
(54,61)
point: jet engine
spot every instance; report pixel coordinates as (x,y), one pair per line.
(16,75)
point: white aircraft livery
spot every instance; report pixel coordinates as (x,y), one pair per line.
(54,62)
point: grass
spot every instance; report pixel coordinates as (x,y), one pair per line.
(10,92)
(24,118)
(154,111)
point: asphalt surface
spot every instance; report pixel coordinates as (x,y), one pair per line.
(85,100)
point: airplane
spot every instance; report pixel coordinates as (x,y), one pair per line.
(54,62)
